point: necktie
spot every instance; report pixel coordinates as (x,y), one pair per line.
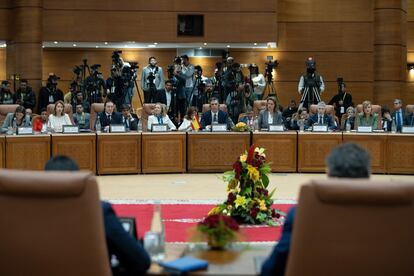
(398,119)
(109,118)
(126,123)
(320,120)
(215,117)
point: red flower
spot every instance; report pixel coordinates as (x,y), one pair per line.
(237,169)
(213,221)
(274,214)
(231,197)
(250,155)
(253,213)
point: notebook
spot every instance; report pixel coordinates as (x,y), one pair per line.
(184,264)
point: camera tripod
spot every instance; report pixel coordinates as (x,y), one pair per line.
(309,99)
(270,90)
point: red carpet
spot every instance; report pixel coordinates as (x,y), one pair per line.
(179,218)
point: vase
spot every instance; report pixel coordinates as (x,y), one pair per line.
(216,243)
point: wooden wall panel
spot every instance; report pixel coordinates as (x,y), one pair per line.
(163,5)
(4,20)
(325,36)
(410,36)
(2,152)
(2,63)
(325,10)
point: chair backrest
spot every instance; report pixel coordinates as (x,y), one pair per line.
(409,108)
(353,227)
(375,109)
(52,224)
(222,107)
(330,110)
(258,106)
(147,110)
(95,108)
(67,108)
(4,109)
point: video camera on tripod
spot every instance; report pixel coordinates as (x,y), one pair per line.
(116,58)
(270,65)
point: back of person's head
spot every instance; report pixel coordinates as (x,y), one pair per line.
(349,161)
(61,163)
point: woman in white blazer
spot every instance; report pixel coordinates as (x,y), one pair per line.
(58,119)
(160,117)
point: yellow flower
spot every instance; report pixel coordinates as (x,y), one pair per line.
(243,158)
(262,205)
(232,184)
(240,201)
(214,211)
(254,174)
(240,125)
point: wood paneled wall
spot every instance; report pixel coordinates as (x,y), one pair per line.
(338,34)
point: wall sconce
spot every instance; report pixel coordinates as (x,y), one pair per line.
(410,67)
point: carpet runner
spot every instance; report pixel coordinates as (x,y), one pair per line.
(180,218)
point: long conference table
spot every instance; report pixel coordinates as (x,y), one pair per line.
(178,152)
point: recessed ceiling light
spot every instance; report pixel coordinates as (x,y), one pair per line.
(155,43)
(74,45)
(126,46)
(96,46)
(106,43)
(43,46)
(55,42)
(205,43)
(228,46)
(255,44)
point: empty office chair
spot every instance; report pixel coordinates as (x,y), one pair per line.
(353,227)
(51,224)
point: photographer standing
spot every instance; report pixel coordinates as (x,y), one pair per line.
(187,73)
(50,94)
(232,77)
(342,100)
(258,81)
(152,79)
(95,84)
(311,85)
(236,102)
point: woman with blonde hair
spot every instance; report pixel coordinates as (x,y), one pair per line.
(160,117)
(367,117)
(59,118)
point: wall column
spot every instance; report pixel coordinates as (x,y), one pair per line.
(24,48)
(390,50)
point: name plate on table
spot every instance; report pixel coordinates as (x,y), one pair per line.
(320,128)
(218,127)
(277,128)
(24,130)
(364,129)
(117,128)
(68,129)
(407,129)
(159,128)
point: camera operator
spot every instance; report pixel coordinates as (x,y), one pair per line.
(95,85)
(167,96)
(129,75)
(257,80)
(187,73)
(178,82)
(25,96)
(50,94)
(342,100)
(311,85)
(236,102)
(216,81)
(6,95)
(114,86)
(198,87)
(232,78)
(79,100)
(152,79)
(208,93)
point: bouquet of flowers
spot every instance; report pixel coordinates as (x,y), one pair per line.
(241,127)
(248,200)
(219,230)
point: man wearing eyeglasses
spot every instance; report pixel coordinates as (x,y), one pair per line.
(398,115)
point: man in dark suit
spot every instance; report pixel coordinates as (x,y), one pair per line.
(109,117)
(167,97)
(133,258)
(345,161)
(130,120)
(213,116)
(409,119)
(398,115)
(321,118)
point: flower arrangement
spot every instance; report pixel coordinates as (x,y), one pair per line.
(248,200)
(241,127)
(219,230)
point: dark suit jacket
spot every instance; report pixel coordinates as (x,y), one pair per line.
(132,256)
(133,125)
(275,265)
(44,94)
(327,120)
(206,118)
(160,97)
(394,115)
(116,118)
(409,119)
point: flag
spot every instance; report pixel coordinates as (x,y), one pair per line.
(195,124)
